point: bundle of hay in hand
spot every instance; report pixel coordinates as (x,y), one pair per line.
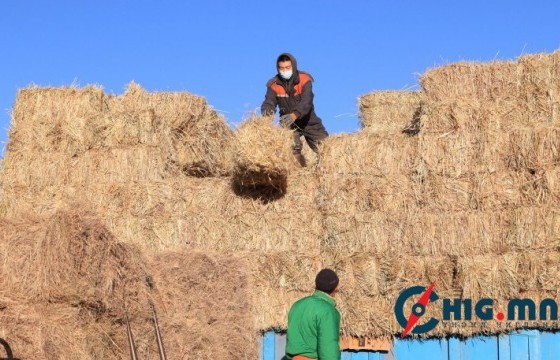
(262,154)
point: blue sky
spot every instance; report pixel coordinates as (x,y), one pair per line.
(226,50)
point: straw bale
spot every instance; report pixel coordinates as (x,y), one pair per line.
(125,165)
(538,271)
(535,228)
(204,308)
(192,212)
(127,128)
(481,191)
(53,119)
(242,223)
(180,110)
(50,331)
(480,232)
(441,117)
(471,81)
(262,153)
(451,233)
(399,271)
(551,177)
(533,148)
(368,153)
(199,137)
(389,110)
(458,153)
(490,275)
(359,292)
(435,192)
(376,232)
(278,279)
(193,137)
(539,87)
(341,193)
(69,257)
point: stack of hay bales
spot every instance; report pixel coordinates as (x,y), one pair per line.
(365,193)
(469,195)
(488,146)
(121,154)
(147,194)
(455,184)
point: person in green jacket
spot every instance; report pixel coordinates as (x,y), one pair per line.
(314,322)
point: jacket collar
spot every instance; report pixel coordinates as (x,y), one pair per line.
(324,296)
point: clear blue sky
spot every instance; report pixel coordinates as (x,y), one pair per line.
(226,50)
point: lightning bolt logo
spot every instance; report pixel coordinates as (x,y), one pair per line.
(418,309)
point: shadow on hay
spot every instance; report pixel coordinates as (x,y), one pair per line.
(260,186)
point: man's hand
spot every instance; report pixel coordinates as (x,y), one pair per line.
(286,120)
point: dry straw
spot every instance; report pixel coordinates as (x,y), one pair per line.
(261,154)
(67,286)
(469,199)
(389,110)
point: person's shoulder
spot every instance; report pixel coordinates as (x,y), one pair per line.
(305,76)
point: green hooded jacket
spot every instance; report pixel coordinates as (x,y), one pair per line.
(314,328)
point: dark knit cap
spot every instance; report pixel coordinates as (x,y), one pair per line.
(326,280)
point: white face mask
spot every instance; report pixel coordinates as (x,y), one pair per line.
(286,74)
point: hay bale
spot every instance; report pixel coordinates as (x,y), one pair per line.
(69,257)
(262,154)
(533,148)
(236,223)
(375,232)
(341,193)
(445,116)
(458,153)
(390,111)
(50,331)
(278,280)
(485,232)
(179,127)
(192,212)
(539,92)
(67,284)
(477,191)
(204,305)
(368,153)
(124,165)
(490,275)
(195,137)
(54,119)
(495,80)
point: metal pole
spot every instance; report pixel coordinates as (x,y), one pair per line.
(161,349)
(131,345)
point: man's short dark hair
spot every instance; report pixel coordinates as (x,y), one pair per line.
(326,281)
(283,58)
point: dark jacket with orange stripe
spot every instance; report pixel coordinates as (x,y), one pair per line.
(291,96)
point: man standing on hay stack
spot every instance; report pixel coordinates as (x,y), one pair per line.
(314,322)
(291,91)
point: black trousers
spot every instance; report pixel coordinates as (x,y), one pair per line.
(313,134)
